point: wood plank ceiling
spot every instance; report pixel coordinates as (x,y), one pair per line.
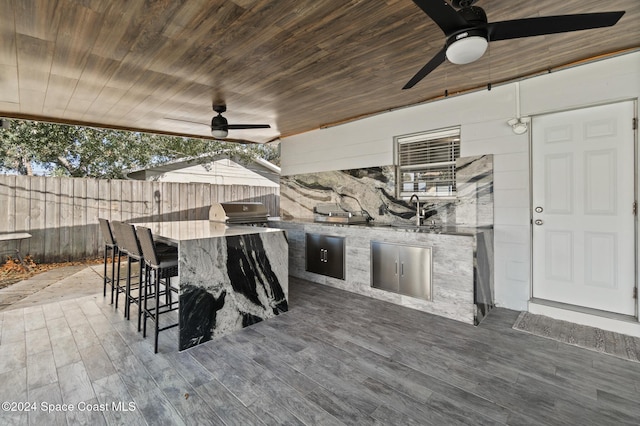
(295,64)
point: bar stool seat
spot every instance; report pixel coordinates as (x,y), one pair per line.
(168,262)
(163,266)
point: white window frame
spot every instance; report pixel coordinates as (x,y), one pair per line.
(426,188)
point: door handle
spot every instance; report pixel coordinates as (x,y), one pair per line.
(538,222)
(402,269)
(539,209)
(396,267)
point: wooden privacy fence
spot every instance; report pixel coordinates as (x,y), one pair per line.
(62,214)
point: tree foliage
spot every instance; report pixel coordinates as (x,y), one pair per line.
(76,151)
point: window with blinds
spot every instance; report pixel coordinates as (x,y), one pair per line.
(426,163)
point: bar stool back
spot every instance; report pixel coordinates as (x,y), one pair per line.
(162,265)
(110,245)
(116,227)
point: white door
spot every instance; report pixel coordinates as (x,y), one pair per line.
(583,198)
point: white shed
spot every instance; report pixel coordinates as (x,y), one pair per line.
(217,171)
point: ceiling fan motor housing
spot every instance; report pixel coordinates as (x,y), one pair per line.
(473,32)
(458,4)
(474,15)
(218,122)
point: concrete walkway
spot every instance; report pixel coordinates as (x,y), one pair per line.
(68,282)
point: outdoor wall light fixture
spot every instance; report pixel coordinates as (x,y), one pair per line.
(519,125)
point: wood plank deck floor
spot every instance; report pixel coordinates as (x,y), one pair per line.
(334,358)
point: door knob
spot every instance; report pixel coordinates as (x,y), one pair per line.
(539,209)
(538,222)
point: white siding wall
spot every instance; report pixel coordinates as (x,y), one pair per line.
(482,117)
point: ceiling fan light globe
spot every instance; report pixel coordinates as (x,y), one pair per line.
(219,133)
(467,50)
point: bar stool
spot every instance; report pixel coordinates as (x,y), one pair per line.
(110,244)
(163,265)
(135,254)
(129,245)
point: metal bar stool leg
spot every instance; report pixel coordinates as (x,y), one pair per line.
(104,275)
(127,291)
(140,281)
(142,295)
(113,269)
(118,279)
(145,312)
(157,311)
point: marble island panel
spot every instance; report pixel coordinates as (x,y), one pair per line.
(230,282)
(229,276)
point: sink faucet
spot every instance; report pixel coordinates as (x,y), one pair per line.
(417,208)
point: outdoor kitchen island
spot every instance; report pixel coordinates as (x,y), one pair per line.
(229,276)
(460,267)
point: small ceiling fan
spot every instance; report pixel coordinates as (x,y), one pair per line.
(220,126)
(468,33)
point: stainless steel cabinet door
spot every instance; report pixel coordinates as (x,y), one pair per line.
(415,271)
(384,266)
(333,256)
(314,256)
(324,254)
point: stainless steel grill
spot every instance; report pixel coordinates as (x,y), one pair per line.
(239,213)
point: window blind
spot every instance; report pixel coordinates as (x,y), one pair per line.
(426,163)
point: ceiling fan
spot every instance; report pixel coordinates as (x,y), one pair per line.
(468,33)
(220,126)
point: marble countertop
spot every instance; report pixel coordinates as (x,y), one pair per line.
(176,231)
(438,229)
(464,230)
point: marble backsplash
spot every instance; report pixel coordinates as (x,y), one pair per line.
(372,192)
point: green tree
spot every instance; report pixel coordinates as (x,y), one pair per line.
(63,150)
